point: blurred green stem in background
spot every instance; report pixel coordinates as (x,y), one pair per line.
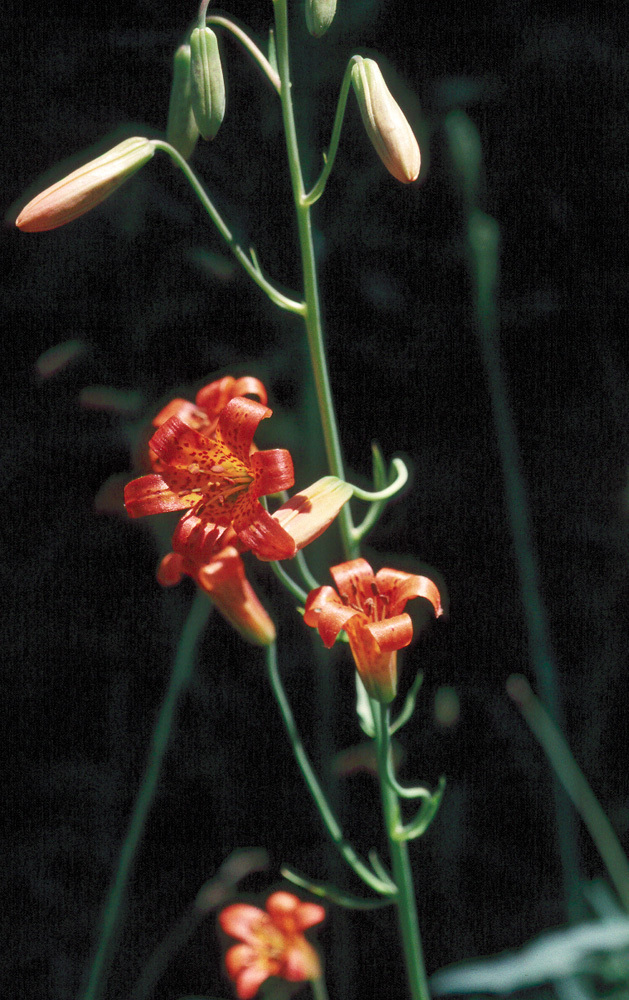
(182,670)
(482,245)
(575,784)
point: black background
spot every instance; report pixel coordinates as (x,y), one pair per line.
(88,634)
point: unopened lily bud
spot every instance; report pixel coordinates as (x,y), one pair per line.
(207,82)
(86,187)
(181,130)
(319,16)
(386,125)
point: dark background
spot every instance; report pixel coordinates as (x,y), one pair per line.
(146,285)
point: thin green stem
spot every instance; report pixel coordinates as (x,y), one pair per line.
(319,990)
(249,263)
(288,582)
(483,242)
(312,315)
(329,820)
(402,875)
(249,44)
(319,187)
(182,670)
(575,784)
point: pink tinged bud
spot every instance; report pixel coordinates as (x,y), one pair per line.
(181,130)
(206,82)
(86,187)
(319,16)
(307,514)
(384,121)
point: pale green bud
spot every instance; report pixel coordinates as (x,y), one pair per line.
(86,187)
(319,16)
(207,83)
(181,130)
(384,121)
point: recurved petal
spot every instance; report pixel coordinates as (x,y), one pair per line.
(250,979)
(353,579)
(178,445)
(191,415)
(214,397)
(170,570)
(328,615)
(392,633)
(242,920)
(301,961)
(151,495)
(198,540)
(402,587)
(237,425)
(259,532)
(274,471)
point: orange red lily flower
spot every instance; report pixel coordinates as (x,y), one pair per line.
(204,459)
(218,478)
(370,609)
(272,942)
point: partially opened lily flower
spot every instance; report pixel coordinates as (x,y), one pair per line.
(370,609)
(220,479)
(273,943)
(206,552)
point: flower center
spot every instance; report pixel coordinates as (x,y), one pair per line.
(375,606)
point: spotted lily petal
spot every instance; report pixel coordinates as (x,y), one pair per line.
(238,422)
(151,495)
(260,532)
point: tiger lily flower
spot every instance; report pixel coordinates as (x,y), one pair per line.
(272,942)
(220,478)
(207,553)
(370,609)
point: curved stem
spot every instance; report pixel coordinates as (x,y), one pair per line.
(288,582)
(182,669)
(329,820)
(312,315)
(401,478)
(319,187)
(402,875)
(250,265)
(304,569)
(405,793)
(250,45)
